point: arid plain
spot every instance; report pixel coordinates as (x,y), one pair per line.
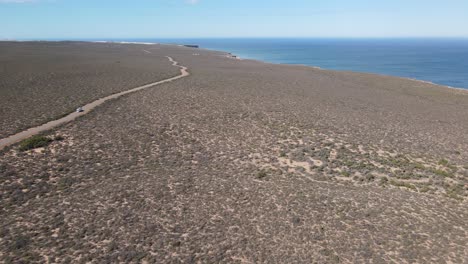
(240,162)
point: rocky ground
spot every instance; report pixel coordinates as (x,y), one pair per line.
(247,162)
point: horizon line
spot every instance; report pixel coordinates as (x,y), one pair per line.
(234,37)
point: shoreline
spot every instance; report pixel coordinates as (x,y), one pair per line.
(234,56)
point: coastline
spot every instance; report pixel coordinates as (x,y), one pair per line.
(235,56)
(230,54)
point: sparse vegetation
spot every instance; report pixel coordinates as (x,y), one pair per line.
(443,162)
(53,69)
(383,180)
(442,173)
(402,184)
(19,242)
(345,173)
(210,174)
(424,189)
(261,174)
(419,166)
(454,195)
(369,177)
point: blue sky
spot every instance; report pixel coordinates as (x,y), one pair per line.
(67,19)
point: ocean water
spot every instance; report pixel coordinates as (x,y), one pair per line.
(441,61)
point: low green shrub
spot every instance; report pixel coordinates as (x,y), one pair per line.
(34,142)
(443,162)
(442,173)
(261,174)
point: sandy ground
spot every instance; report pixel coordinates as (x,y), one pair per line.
(248,162)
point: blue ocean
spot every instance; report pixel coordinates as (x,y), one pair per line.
(441,61)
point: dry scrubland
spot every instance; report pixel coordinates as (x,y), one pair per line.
(245,162)
(43,81)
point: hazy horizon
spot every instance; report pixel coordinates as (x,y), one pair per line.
(142,39)
(69,19)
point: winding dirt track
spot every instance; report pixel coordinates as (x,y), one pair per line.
(8,141)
